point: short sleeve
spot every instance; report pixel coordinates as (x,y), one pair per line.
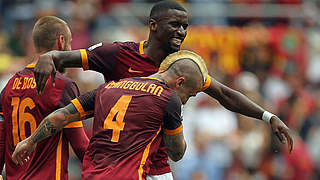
(100,57)
(172,116)
(85,104)
(70,92)
(207,83)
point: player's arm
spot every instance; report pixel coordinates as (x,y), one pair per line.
(75,132)
(172,129)
(100,57)
(175,145)
(52,124)
(50,61)
(237,102)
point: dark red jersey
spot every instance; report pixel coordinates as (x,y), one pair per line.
(23,110)
(118,60)
(129,116)
(122,60)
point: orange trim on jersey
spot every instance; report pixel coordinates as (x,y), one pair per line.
(1,113)
(80,109)
(84,59)
(152,78)
(31,66)
(141,47)
(173,131)
(58,160)
(207,83)
(76,124)
(145,155)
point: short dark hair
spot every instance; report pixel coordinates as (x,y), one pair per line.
(46,31)
(164,6)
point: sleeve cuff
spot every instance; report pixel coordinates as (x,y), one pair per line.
(173,131)
(207,83)
(76,124)
(80,109)
(84,59)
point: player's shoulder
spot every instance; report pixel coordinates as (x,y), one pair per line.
(128,45)
(174,98)
(20,74)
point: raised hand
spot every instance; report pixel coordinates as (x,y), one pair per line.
(281,131)
(44,68)
(22,152)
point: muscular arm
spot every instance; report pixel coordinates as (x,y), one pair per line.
(55,122)
(176,145)
(50,61)
(52,124)
(66,58)
(234,100)
(237,102)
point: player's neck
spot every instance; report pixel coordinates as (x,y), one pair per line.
(36,56)
(155,52)
(159,77)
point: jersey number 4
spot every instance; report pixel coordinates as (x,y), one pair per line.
(20,117)
(119,110)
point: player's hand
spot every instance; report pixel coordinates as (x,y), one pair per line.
(22,152)
(44,68)
(281,131)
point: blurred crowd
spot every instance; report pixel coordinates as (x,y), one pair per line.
(273,61)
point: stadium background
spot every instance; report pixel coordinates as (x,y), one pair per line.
(267,49)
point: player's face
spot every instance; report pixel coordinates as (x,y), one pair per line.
(172,29)
(185,92)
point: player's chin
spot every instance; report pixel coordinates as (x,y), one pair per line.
(174,49)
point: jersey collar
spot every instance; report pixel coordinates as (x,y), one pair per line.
(141,51)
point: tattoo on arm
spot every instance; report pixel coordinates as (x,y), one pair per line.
(55,122)
(176,146)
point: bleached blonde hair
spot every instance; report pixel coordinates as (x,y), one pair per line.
(184,54)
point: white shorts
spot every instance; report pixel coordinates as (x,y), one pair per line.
(167,176)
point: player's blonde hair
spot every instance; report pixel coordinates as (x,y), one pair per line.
(184,54)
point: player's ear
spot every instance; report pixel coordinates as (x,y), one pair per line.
(180,81)
(153,24)
(61,43)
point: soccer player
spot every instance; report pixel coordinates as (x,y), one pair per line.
(128,118)
(168,24)
(23,110)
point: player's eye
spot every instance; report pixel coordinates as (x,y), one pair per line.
(185,26)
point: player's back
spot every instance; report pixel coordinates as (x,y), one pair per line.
(128,119)
(23,111)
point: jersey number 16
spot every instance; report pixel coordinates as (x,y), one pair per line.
(20,117)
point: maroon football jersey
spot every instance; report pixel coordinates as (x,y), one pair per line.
(23,110)
(129,116)
(122,60)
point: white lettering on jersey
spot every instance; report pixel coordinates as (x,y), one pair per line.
(94,46)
